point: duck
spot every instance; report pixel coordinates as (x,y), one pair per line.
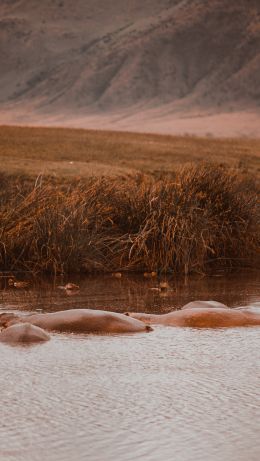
(69,286)
(117,275)
(149,275)
(18,283)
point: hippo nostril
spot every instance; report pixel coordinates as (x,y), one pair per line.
(148,328)
(126,313)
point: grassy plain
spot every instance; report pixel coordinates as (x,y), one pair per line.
(76,152)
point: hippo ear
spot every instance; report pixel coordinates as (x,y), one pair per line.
(126,313)
(3,317)
(6,317)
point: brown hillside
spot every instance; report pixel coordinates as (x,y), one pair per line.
(168,59)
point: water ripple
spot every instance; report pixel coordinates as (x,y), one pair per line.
(175,394)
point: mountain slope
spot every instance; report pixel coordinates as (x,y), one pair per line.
(105,57)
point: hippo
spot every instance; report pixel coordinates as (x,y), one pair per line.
(79,321)
(202,316)
(23,333)
(202,304)
(254,308)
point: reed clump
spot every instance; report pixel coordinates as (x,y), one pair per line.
(203,217)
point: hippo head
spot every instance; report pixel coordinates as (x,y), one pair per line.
(7,319)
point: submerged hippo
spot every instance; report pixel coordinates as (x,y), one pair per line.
(204,304)
(79,321)
(254,308)
(202,316)
(23,333)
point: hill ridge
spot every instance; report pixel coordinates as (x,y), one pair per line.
(105,58)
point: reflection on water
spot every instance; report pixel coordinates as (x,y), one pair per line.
(175,393)
(132,293)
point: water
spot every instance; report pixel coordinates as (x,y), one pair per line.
(175,393)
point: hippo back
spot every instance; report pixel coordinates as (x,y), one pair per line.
(23,333)
(202,304)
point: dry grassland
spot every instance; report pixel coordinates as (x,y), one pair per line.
(74,152)
(120,201)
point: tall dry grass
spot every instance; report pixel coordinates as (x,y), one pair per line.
(206,216)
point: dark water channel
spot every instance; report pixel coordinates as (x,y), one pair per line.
(174,394)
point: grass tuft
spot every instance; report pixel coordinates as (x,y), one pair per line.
(204,217)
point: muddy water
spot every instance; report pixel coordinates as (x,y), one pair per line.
(175,393)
